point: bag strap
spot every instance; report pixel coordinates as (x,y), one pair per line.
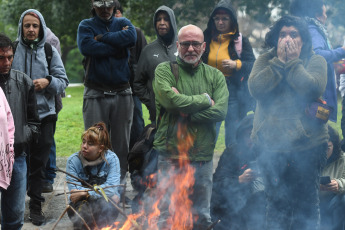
(174,70)
(48,50)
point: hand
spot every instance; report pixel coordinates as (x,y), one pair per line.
(293,49)
(229,64)
(77,195)
(281,50)
(247,176)
(125,28)
(40,83)
(175,90)
(116,198)
(331,187)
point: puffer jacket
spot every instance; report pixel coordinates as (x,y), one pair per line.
(32,62)
(192,83)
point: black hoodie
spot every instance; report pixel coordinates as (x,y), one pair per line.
(152,55)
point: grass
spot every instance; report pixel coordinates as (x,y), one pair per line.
(70,124)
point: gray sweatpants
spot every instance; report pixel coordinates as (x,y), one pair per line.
(116,111)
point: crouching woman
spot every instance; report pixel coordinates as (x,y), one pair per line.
(97,165)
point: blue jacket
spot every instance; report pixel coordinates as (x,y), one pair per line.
(33,63)
(321,47)
(110,169)
(108,68)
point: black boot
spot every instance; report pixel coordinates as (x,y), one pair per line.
(36,214)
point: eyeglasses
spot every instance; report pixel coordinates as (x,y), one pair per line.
(223,19)
(196,45)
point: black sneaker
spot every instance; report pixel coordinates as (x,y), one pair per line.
(36,215)
(47,187)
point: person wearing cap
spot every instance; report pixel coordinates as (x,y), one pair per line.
(231,53)
(105,40)
(161,50)
(30,58)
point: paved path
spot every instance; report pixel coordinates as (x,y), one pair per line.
(54,205)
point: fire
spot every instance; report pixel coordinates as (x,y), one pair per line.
(176,187)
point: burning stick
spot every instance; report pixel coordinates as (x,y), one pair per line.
(135,224)
(213,224)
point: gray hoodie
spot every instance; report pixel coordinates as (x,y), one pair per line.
(32,61)
(152,55)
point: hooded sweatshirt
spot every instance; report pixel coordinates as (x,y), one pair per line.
(32,61)
(152,55)
(6,142)
(239,48)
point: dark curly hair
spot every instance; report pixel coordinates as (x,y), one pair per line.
(271,39)
(306,8)
(5,41)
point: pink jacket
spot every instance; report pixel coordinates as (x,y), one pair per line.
(6,142)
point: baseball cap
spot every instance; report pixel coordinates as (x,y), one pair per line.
(103,3)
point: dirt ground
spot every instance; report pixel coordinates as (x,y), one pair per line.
(54,205)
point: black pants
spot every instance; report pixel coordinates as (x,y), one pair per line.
(39,155)
(99,210)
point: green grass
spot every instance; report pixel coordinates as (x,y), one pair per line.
(70,124)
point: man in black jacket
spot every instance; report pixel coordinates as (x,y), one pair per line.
(20,94)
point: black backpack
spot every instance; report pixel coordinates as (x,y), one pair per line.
(142,161)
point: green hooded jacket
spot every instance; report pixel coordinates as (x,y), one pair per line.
(192,85)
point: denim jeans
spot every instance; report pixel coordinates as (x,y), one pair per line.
(233,116)
(332,212)
(50,172)
(138,122)
(13,199)
(202,189)
(292,188)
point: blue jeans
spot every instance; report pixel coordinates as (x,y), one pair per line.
(138,122)
(13,199)
(202,189)
(233,116)
(332,212)
(50,172)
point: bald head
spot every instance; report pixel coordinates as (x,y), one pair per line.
(191,30)
(190,44)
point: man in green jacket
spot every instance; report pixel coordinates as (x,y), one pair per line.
(195,100)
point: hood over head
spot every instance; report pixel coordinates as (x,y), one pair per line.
(170,37)
(223,6)
(42,36)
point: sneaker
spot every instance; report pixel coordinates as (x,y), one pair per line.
(36,215)
(47,187)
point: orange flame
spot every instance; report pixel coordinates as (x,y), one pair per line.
(182,180)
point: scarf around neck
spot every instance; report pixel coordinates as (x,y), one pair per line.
(322,29)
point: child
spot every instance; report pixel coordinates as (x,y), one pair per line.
(95,164)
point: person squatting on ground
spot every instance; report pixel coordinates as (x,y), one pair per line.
(95,163)
(332,194)
(231,53)
(287,82)
(160,50)
(105,41)
(20,93)
(30,58)
(238,197)
(198,99)
(135,52)
(314,13)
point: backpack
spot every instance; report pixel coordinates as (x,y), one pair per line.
(142,161)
